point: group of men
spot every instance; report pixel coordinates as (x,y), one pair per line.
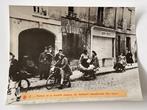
(46,60)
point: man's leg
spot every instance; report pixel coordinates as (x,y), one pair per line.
(17,91)
(62,79)
(40,75)
(9,88)
(47,72)
(67,77)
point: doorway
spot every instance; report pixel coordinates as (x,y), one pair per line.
(33,41)
(118,46)
(128,43)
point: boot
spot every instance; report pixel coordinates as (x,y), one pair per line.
(61,86)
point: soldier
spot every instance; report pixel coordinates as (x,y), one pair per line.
(67,72)
(45,62)
(49,58)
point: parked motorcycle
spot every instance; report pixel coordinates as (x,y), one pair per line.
(119,67)
(120,64)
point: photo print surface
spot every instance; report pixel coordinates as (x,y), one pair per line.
(68,54)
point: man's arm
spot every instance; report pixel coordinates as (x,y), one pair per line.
(64,62)
(40,57)
(80,59)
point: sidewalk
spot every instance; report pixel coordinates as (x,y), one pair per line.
(37,83)
(110,68)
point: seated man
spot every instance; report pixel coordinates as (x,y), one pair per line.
(121,63)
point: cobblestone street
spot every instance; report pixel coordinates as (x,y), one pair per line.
(127,81)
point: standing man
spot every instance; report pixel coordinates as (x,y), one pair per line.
(49,59)
(129,58)
(43,64)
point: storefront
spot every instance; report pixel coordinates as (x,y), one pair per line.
(103,42)
(126,42)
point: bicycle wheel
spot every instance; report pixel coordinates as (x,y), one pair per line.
(24,84)
(50,82)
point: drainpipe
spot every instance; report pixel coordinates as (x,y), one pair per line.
(88,32)
(115,28)
(115,19)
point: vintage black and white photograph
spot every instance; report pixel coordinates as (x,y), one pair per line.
(70,49)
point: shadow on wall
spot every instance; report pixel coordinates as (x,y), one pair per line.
(142,71)
(139,14)
(143,79)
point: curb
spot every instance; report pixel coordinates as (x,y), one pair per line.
(106,72)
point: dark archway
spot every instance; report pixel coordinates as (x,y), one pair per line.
(33,41)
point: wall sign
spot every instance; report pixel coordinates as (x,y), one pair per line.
(103,32)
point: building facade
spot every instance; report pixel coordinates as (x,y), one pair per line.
(108,31)
(125,31)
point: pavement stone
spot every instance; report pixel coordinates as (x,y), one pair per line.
(36,82)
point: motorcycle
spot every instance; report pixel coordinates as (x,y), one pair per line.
(120,66)
(24,83)
(54,79)
(89,73)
